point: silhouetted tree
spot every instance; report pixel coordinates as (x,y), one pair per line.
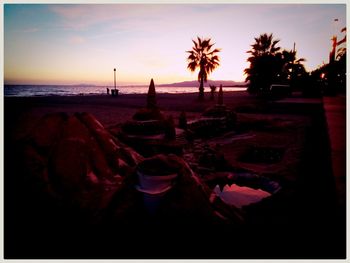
(270,65)
(340,65)
(265,64)
(341,53)
(293,69)
(333,75)
(205,58)
(341,69)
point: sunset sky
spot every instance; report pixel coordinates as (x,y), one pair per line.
(72,44)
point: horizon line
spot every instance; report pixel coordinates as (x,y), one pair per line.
(107,85)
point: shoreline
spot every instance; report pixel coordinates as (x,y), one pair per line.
(29,91)
(229,93)
(21,113)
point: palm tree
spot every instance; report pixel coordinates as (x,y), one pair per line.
(340,64)
(205,58)
(265,63)
(332,76)
(264,45)
(293,68)
(341,53)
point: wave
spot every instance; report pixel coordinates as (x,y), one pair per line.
(55,90)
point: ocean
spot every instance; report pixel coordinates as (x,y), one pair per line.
(64,90)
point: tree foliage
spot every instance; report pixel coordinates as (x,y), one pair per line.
(269,64)
(332,76)
(204,57)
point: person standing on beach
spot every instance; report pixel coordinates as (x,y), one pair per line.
(107,91)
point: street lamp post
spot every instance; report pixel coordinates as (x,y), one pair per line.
(332,55)
(331,66)
(115,87)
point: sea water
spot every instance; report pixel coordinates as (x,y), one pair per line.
(65,90)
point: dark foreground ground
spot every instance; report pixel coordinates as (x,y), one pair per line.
(306,222)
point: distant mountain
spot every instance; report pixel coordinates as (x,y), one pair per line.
(195,83)
(82,85)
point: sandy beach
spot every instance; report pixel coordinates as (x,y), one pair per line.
(23,112)
(303,215)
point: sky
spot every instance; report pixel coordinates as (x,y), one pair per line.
(83,43)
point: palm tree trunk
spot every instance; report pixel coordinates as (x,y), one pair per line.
(201,89)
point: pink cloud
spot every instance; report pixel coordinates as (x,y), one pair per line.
(77,40)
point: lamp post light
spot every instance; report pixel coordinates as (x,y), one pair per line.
(115,87)
(332,54)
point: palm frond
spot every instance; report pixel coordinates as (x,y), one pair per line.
(214,51)
(199,41)
(203,57)
(210,45)
(192,66)
(205,44)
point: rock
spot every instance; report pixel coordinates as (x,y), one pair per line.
(74,128)
(104,139)
(69,166)
(89,120)
(98,160)
(36,167)
(48,130)
(131,157)
(92,178)
(124,168)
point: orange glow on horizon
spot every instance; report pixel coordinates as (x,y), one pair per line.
(75,44)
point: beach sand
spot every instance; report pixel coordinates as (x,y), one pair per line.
(301,223)
(22,113)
